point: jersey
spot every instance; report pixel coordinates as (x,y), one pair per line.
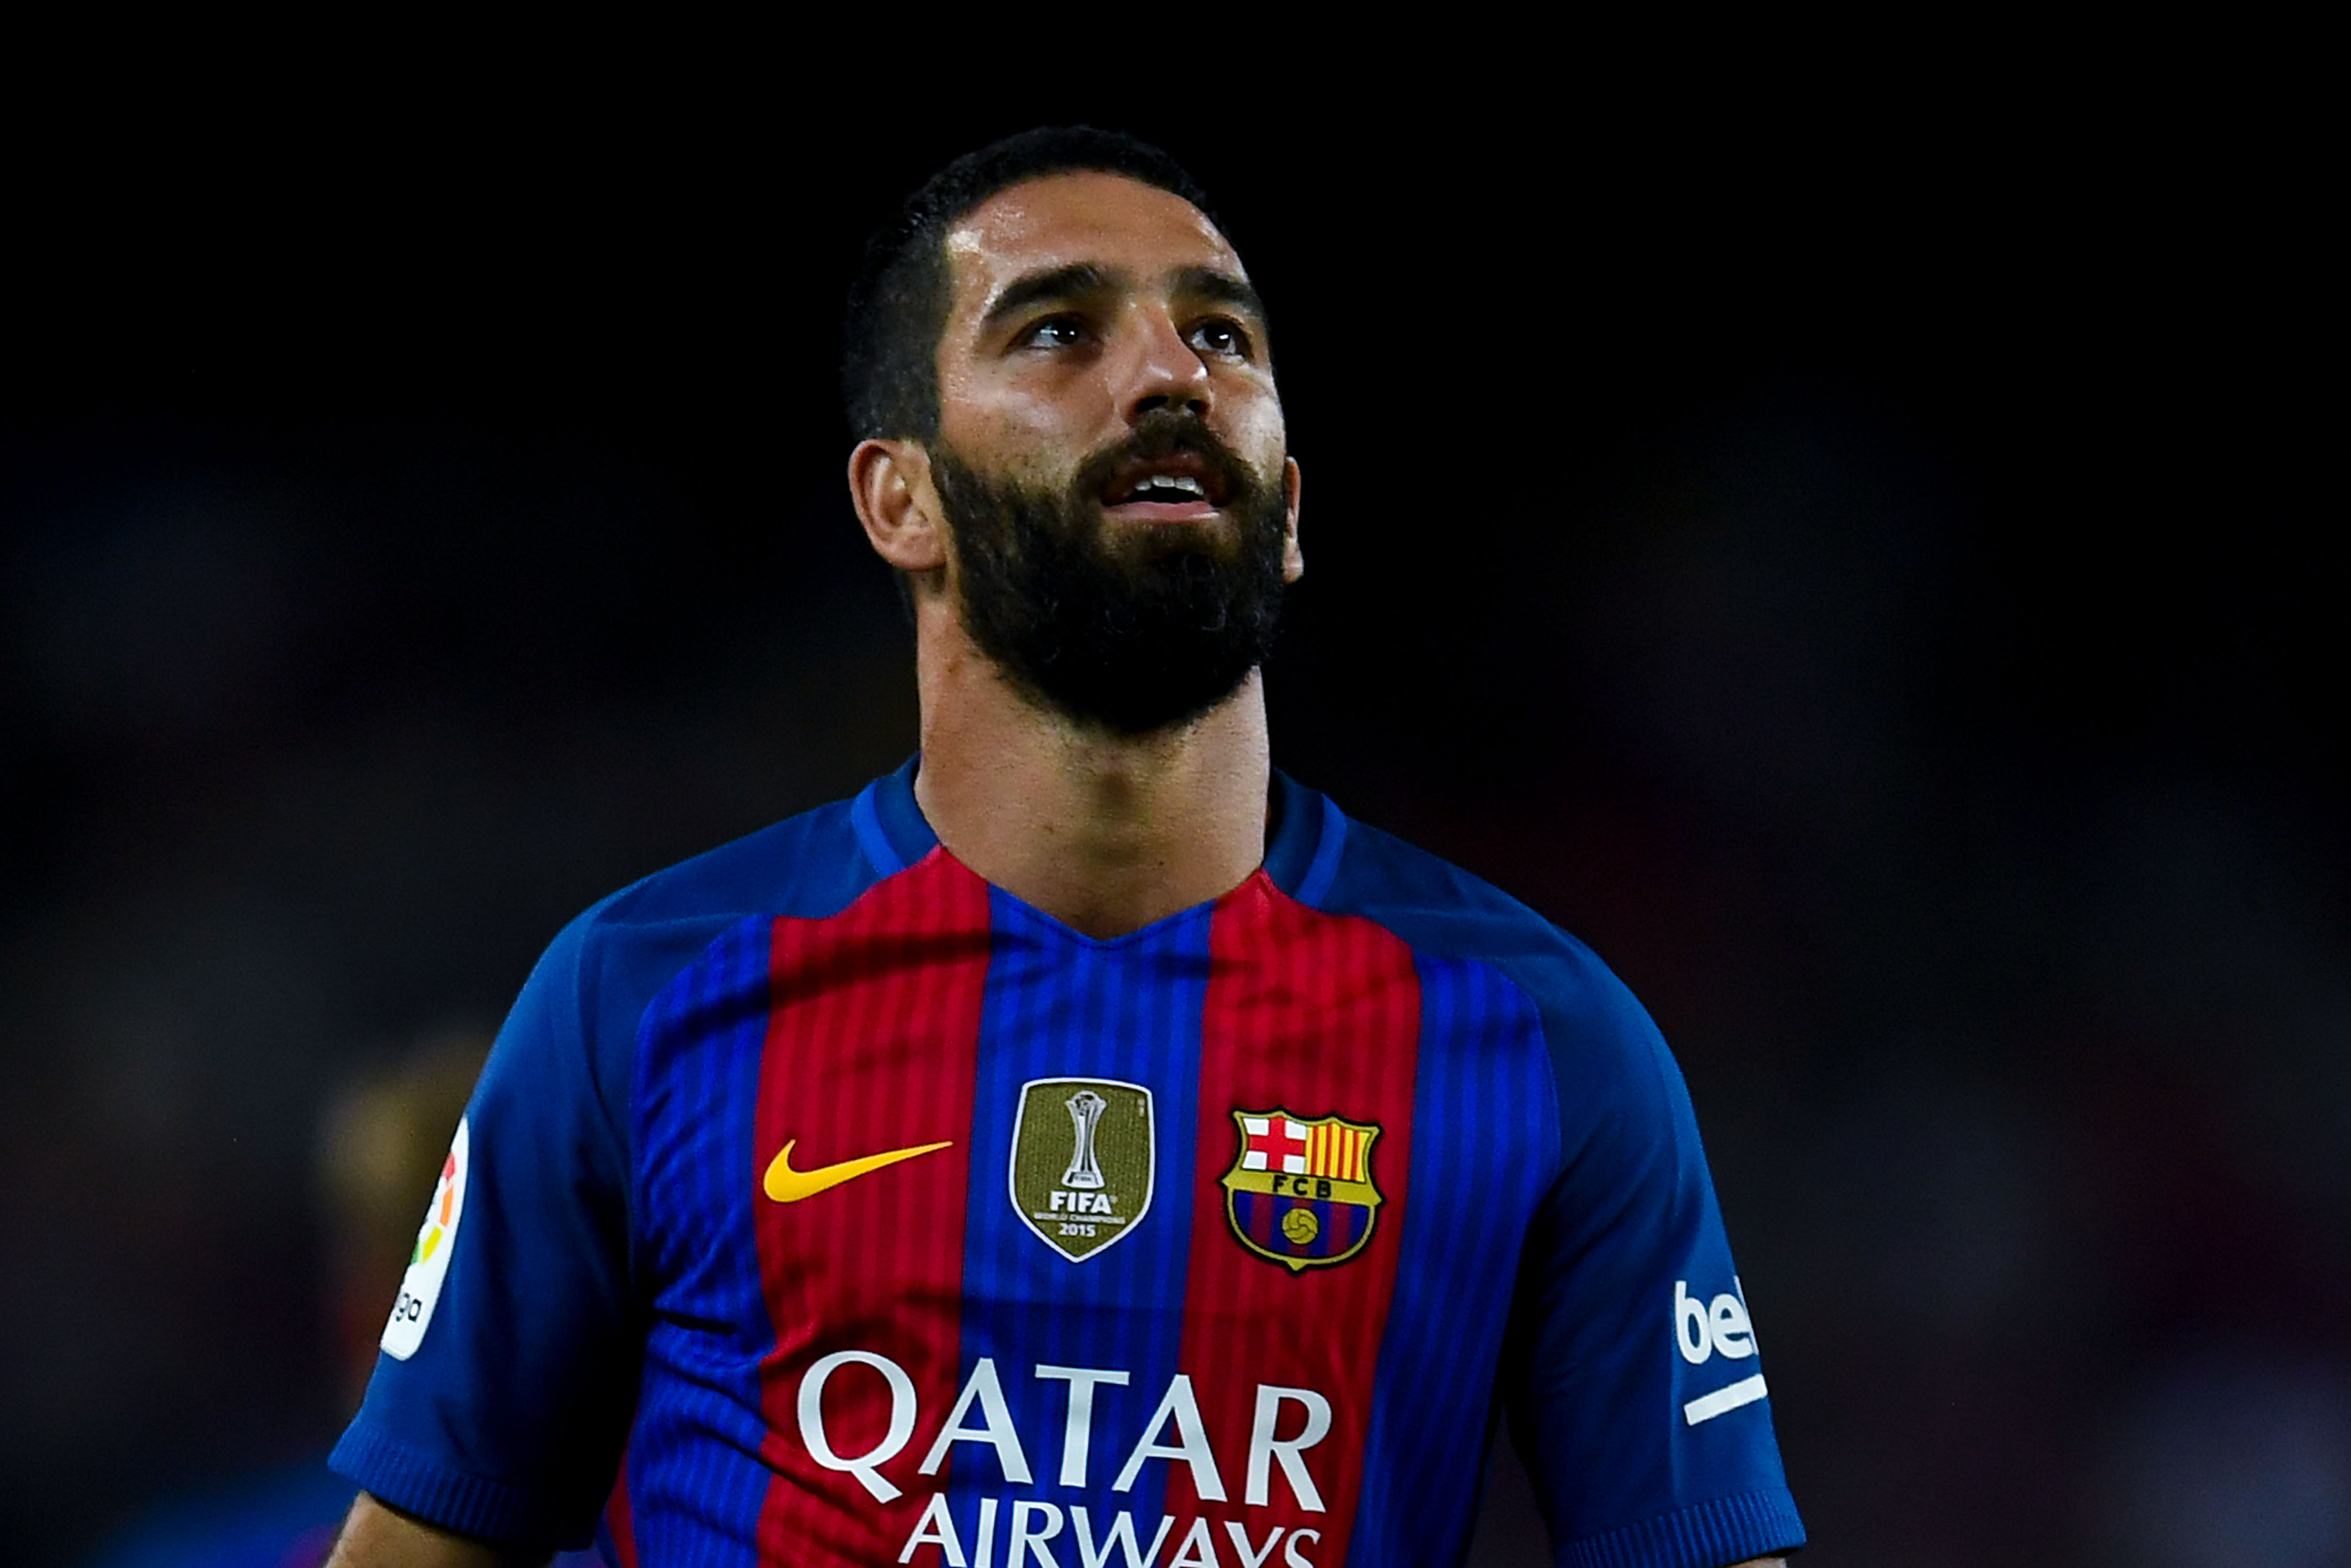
(822,1204)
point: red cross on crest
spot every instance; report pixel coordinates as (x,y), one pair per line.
(1273,1144)
(1300,1191)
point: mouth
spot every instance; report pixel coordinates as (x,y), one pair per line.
(1179,486)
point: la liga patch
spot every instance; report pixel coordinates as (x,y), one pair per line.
(1299,1190)
(428,1261)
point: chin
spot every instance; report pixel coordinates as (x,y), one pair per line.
(1217,534)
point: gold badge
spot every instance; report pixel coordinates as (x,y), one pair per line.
(1083,1159)
(1300,1191)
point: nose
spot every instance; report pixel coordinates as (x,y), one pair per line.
(1163,370)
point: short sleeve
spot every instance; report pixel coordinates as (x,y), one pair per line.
(501,1400)
(1636,1389)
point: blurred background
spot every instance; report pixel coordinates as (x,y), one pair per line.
(1868,569)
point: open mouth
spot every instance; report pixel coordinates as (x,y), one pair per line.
(1181,479)
(1169,487)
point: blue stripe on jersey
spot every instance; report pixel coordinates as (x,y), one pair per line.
(1484,1091)
(695,1477)
(1062,1006)
(905,832)
(1328,843)
(865,818)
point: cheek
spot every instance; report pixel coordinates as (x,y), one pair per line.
(1256,433)
(1028,423)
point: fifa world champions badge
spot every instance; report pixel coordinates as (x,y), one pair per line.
(1083,1155)
(1300,1191)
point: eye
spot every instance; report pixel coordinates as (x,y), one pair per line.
(1220,337)
(1055,332)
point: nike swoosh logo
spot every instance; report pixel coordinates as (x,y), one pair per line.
(785,1184)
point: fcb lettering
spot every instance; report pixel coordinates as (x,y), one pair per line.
(1300,1192)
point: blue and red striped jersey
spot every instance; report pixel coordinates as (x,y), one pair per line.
(822,1204)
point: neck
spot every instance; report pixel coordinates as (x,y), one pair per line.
(1104,832)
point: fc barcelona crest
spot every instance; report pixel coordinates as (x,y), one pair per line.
(1083,1159)
(1300,1192)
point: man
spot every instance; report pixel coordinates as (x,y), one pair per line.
(1085,1146)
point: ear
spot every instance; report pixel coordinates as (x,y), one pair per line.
(1293,562)
(889,485)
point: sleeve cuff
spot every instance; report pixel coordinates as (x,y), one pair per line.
(1709,1534)
(416,1482)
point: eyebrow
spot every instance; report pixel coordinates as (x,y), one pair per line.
(1084,277)
(1215,283)
(1055,283)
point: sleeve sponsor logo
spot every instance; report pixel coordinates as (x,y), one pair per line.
(1705,1328)
(428,1264)
(1289,1423)
(1300,1192)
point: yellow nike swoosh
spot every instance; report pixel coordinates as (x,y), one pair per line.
(785,1184)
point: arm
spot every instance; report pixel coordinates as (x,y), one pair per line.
(500,1403)
(375,1536)
(1638,1398)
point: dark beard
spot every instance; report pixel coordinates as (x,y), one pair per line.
(1132,638)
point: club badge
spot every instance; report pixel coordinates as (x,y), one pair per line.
(1300,1192)
(1083,1160)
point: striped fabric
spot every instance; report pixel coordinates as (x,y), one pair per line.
(954,1237)
(915,1017)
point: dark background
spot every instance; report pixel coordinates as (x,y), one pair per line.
(1871,572)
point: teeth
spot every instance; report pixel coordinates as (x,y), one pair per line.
(1182,482)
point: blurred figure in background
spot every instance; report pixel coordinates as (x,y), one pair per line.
(381,1141)
(380,1146)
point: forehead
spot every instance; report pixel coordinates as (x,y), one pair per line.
(1064,220)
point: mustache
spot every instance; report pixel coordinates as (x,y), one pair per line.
(1163,433)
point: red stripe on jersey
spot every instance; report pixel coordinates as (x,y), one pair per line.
(1318,1015)
(619,1519)
(873,1047)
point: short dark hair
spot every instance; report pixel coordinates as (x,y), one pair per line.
(898,304)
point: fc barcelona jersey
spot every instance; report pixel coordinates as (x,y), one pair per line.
(822,1204)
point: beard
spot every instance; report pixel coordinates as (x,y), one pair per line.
(1130,634)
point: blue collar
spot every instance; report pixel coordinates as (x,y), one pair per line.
(1302,851)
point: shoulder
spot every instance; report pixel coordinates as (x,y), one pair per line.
(807,864)
(1609,1066)
(595,979)
(810,864)
(1444,911)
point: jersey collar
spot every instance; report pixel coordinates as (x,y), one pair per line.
(1301,851)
